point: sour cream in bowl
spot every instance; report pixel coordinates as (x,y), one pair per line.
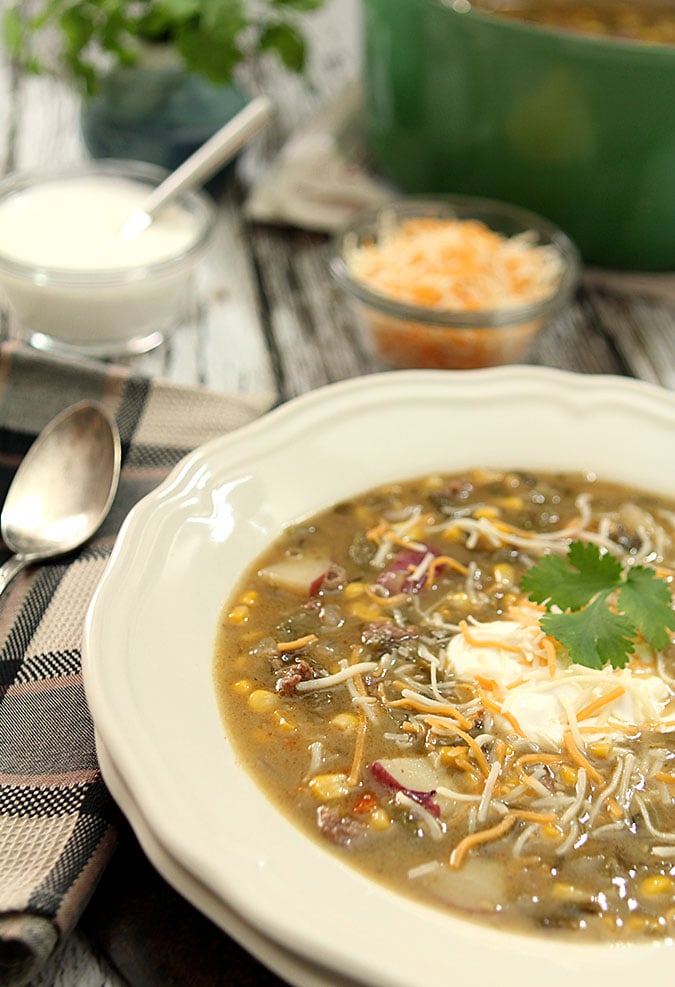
(75,282)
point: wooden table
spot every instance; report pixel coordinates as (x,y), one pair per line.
(267,317)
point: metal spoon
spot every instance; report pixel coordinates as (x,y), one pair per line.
(202,164)
(63,488)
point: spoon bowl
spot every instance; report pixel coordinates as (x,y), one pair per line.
(63,489)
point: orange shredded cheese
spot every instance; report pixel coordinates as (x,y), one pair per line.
(299,642)
(578,758)
(483,836)
(549,651)
(440,709)
(496,708)
(447,263)
(375,534)
(590,709)
(443,725)
(487,642)
(442,560)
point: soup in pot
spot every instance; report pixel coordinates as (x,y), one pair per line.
(627,19)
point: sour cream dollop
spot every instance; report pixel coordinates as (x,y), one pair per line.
(543,705)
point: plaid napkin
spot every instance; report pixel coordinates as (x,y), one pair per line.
(57,820)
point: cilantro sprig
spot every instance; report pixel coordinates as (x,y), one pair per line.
(603,608)
(211,37)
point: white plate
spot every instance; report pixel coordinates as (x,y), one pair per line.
(151,628)
(296,970)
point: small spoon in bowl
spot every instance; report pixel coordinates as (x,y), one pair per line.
(206,160)
(63,489)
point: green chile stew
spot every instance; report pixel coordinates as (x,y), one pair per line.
(393,689)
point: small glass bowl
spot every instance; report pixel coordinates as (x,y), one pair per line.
(108,312)
(406,335)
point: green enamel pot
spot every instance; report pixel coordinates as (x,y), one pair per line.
(580,129)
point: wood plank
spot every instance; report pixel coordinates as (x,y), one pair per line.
(47,131)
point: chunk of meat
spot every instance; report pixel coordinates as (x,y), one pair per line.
(338,828)
(299,671)
(384,632)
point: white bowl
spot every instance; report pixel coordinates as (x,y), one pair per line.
(87,306)
(151,630)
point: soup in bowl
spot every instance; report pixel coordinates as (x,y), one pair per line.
(465,684)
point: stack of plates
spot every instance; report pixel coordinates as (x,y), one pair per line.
(150,637)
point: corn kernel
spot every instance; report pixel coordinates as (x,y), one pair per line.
(456,601)
(251,637)
(347,722)
(568,892)
(504,574)
(263,701)
(449,755)
(379,820)
(329,786)
(420,530)
(642,923)
(353,590)
(242,686)
(479,475)
(656,884)
(551,831)
(433,482)
(238,614)
(366,611)
(453,533)
(568,774)
(488,511)
(512,503)
(600,748)
(284,721)
(250,597)
(614,809)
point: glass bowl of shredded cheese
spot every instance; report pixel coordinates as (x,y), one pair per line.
(454,282)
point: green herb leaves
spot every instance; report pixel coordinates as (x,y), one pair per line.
(211,37)
(603,607)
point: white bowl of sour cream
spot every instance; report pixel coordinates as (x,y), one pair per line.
(74,281)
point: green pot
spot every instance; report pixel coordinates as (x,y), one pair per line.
(579,129)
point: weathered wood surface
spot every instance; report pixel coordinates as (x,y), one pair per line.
(267,314)
(267,317)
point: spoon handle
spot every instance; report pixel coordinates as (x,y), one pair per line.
(216,151)
(10,569)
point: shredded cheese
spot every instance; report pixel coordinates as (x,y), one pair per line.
(456,264)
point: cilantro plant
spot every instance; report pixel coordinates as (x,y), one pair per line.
(212,37)
(603,607)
